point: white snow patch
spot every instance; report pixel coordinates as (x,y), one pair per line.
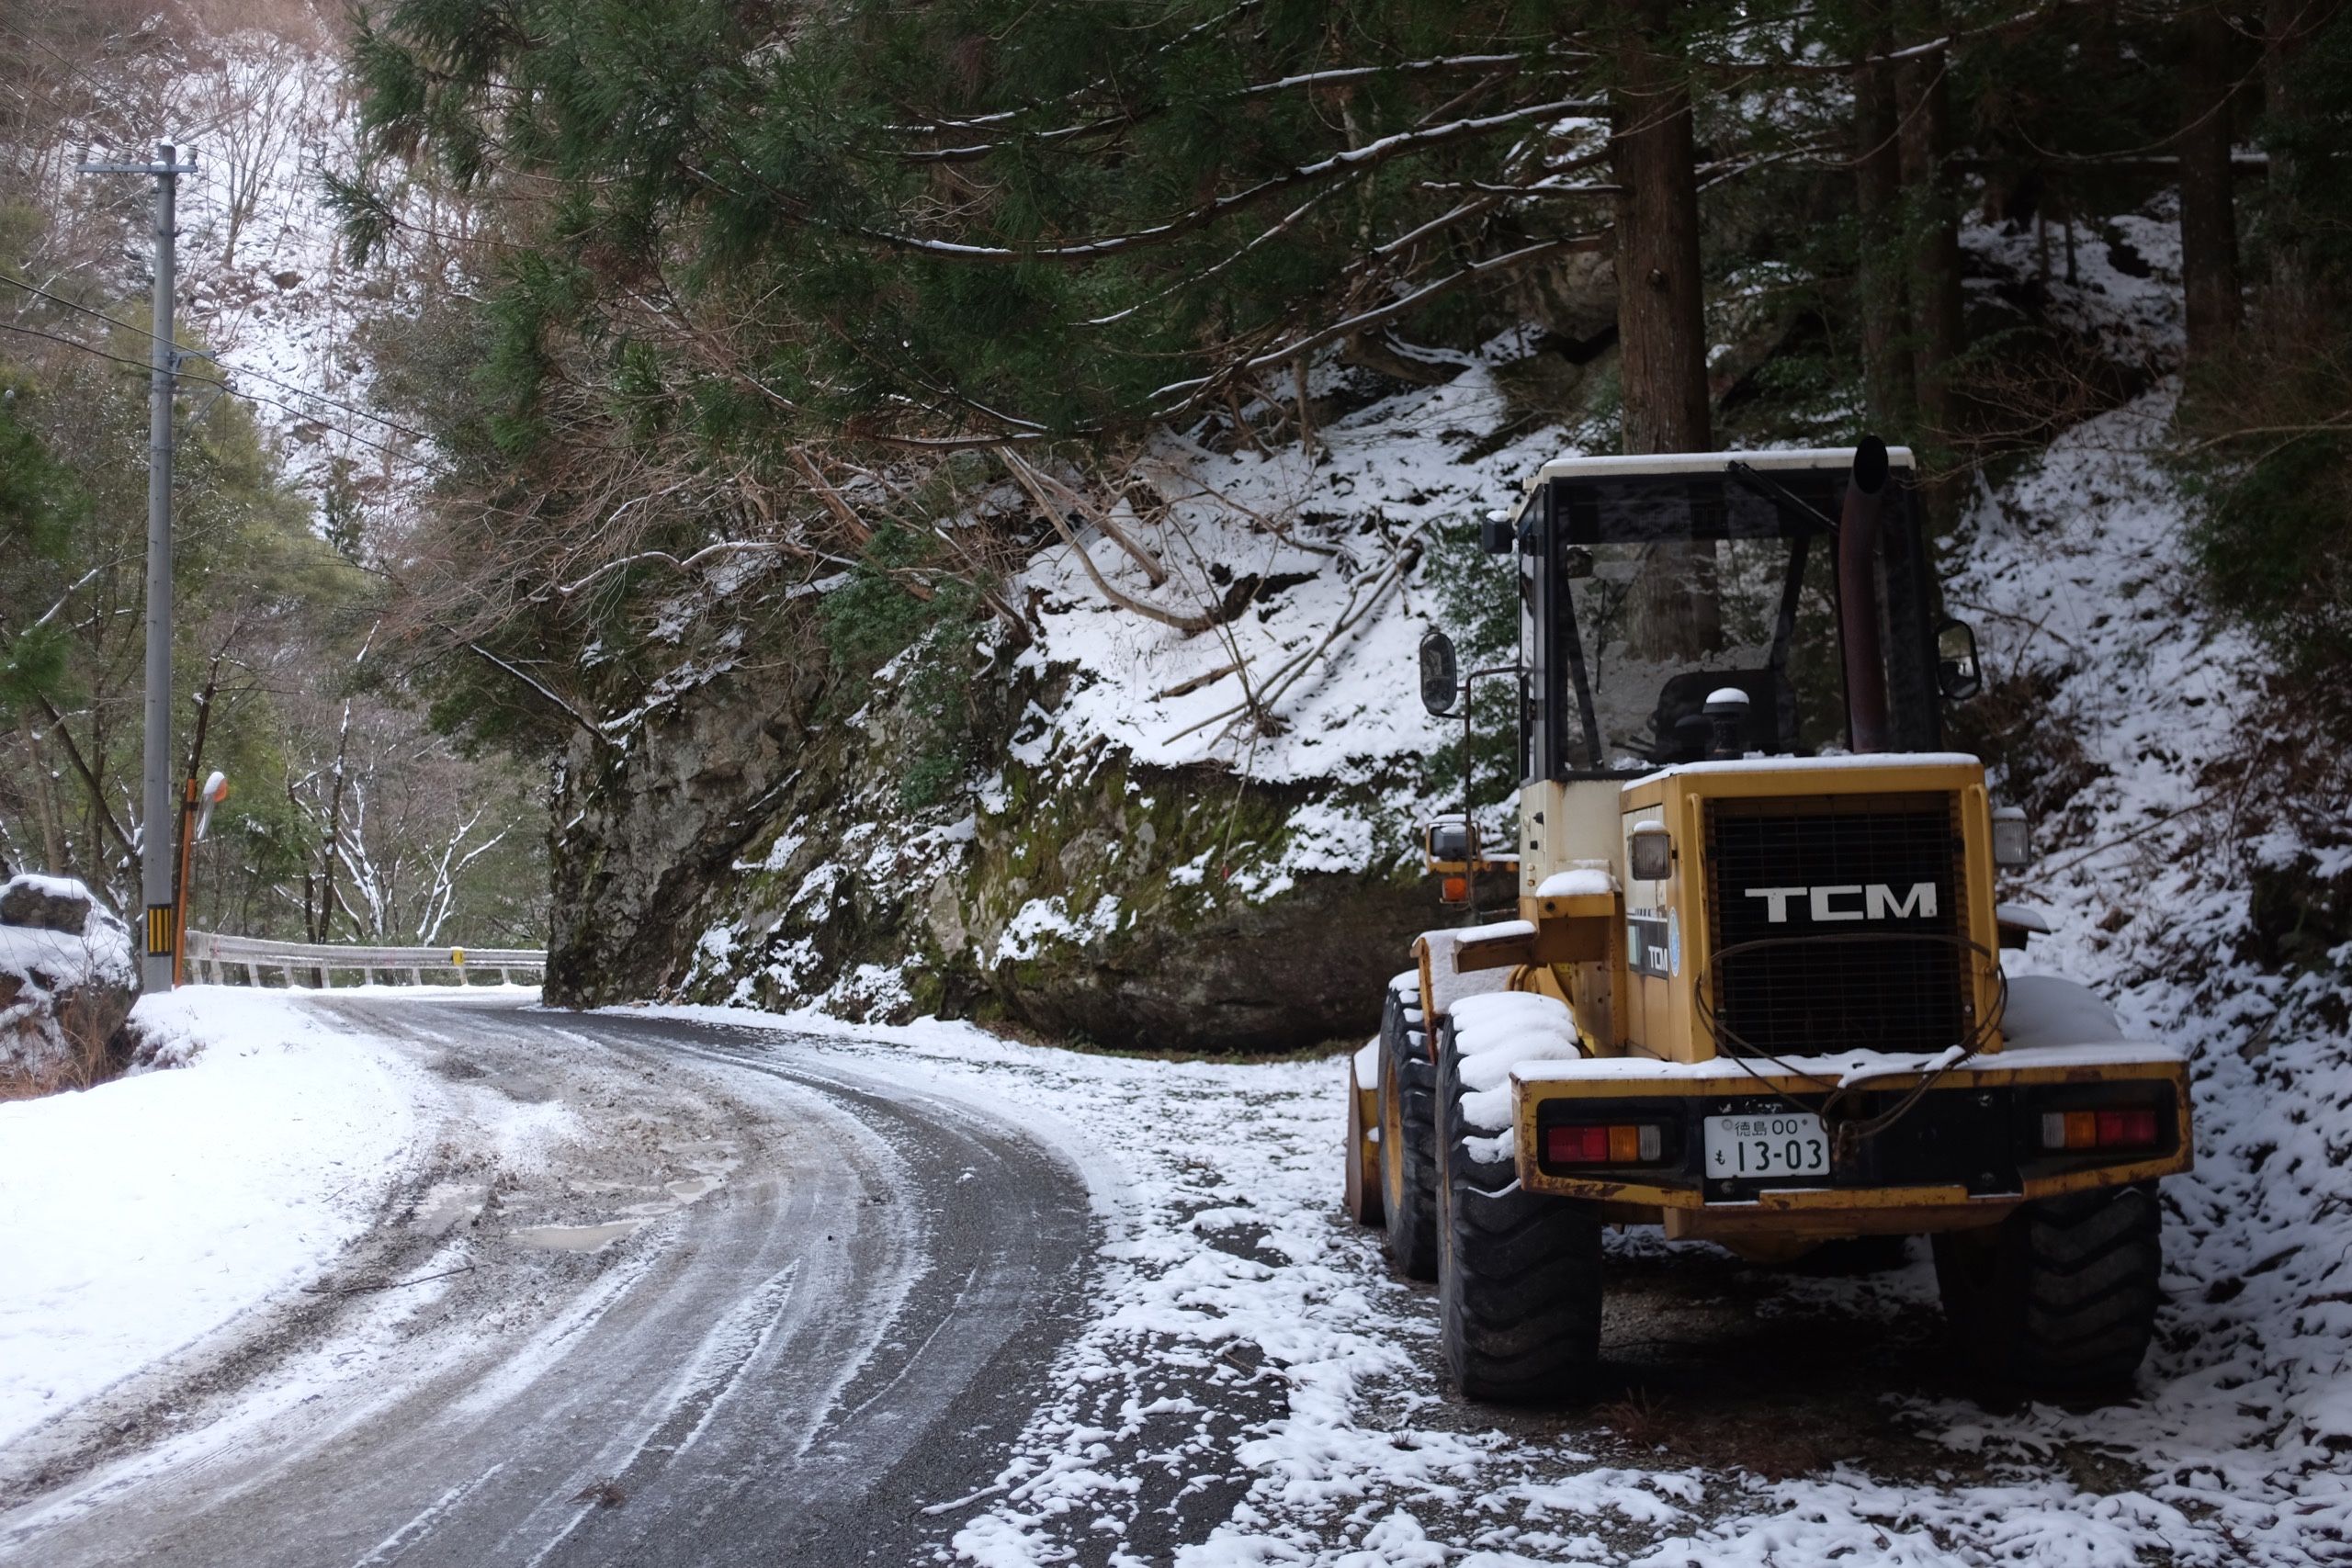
(138,1216)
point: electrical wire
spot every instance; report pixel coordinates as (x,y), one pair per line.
(184,377)
(1847,1129)
(261,375)
(102,354)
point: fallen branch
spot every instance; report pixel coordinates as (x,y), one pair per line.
(1185,688)
(1028,480)
(1106,520)
(384,1285)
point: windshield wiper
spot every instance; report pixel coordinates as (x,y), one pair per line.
(1773,490)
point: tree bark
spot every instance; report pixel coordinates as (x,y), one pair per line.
(1661,318)
(1661,327)
(1925,147)
(1880,264)
(2209,233)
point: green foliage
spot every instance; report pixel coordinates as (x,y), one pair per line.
(2275,492)
(2271,461)
(976,212)
(40,506)
(2313,211)
(875,619)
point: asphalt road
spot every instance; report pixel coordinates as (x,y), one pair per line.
(766,1309)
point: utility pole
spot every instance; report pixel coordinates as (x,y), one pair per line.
(155,858)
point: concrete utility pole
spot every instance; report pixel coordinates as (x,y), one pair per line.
(156,816)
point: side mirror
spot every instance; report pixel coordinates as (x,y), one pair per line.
(1957,675)
(1440,674)
(1449,843)
(1576,562)
(1496,534)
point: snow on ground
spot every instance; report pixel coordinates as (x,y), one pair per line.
(1231,1265)
(2076,562)
(138,1216)
(1251,1351)
(1327,644)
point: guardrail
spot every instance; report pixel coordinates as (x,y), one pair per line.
(207,951)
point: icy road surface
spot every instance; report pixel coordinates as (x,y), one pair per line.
(756,1309)
(794,1292)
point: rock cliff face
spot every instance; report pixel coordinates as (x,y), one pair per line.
(644,836)
(1187,826)
(739,851)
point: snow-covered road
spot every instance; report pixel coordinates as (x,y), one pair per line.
(737,1310)
(749,1290)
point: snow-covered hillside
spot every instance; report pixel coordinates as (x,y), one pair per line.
(265,113)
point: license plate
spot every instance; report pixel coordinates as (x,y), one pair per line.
(1782,1143)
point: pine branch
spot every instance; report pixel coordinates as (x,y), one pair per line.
(1526,255)
(1370,155)
(973,153)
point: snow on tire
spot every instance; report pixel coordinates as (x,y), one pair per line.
(1518,1275)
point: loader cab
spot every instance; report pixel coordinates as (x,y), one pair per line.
(1649,585)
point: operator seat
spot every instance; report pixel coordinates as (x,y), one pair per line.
(1681,731)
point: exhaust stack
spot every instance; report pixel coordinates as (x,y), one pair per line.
(1858,607)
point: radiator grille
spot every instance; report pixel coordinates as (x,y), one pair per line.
(1854,959)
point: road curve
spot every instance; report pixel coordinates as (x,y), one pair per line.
(822,1358)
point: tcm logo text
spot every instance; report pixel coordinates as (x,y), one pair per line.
(1853,901)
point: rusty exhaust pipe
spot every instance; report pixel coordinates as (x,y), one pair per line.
(1858,609)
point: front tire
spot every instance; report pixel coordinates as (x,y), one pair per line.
(2062,1295)
(1407,1139)
(1519,1274)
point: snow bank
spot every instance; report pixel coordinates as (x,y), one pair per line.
(140,1215)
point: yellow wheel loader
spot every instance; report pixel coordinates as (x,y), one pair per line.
(1752,989)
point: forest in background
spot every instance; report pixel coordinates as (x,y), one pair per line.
(806,292)
(349,818)
(779,335)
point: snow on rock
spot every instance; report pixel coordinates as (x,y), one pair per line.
(140,1215)
(67,978)
(1315,569)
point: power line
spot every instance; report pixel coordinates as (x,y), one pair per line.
(102,354)
(261,375)
(210,381)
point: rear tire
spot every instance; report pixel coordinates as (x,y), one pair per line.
(2062,1295)
(1518,1275)
(1407,1144)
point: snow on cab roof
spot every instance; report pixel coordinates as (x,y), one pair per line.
(1829,764)
(1569,467)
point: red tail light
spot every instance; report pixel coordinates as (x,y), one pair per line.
(1621,1143)
(2120,1129)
